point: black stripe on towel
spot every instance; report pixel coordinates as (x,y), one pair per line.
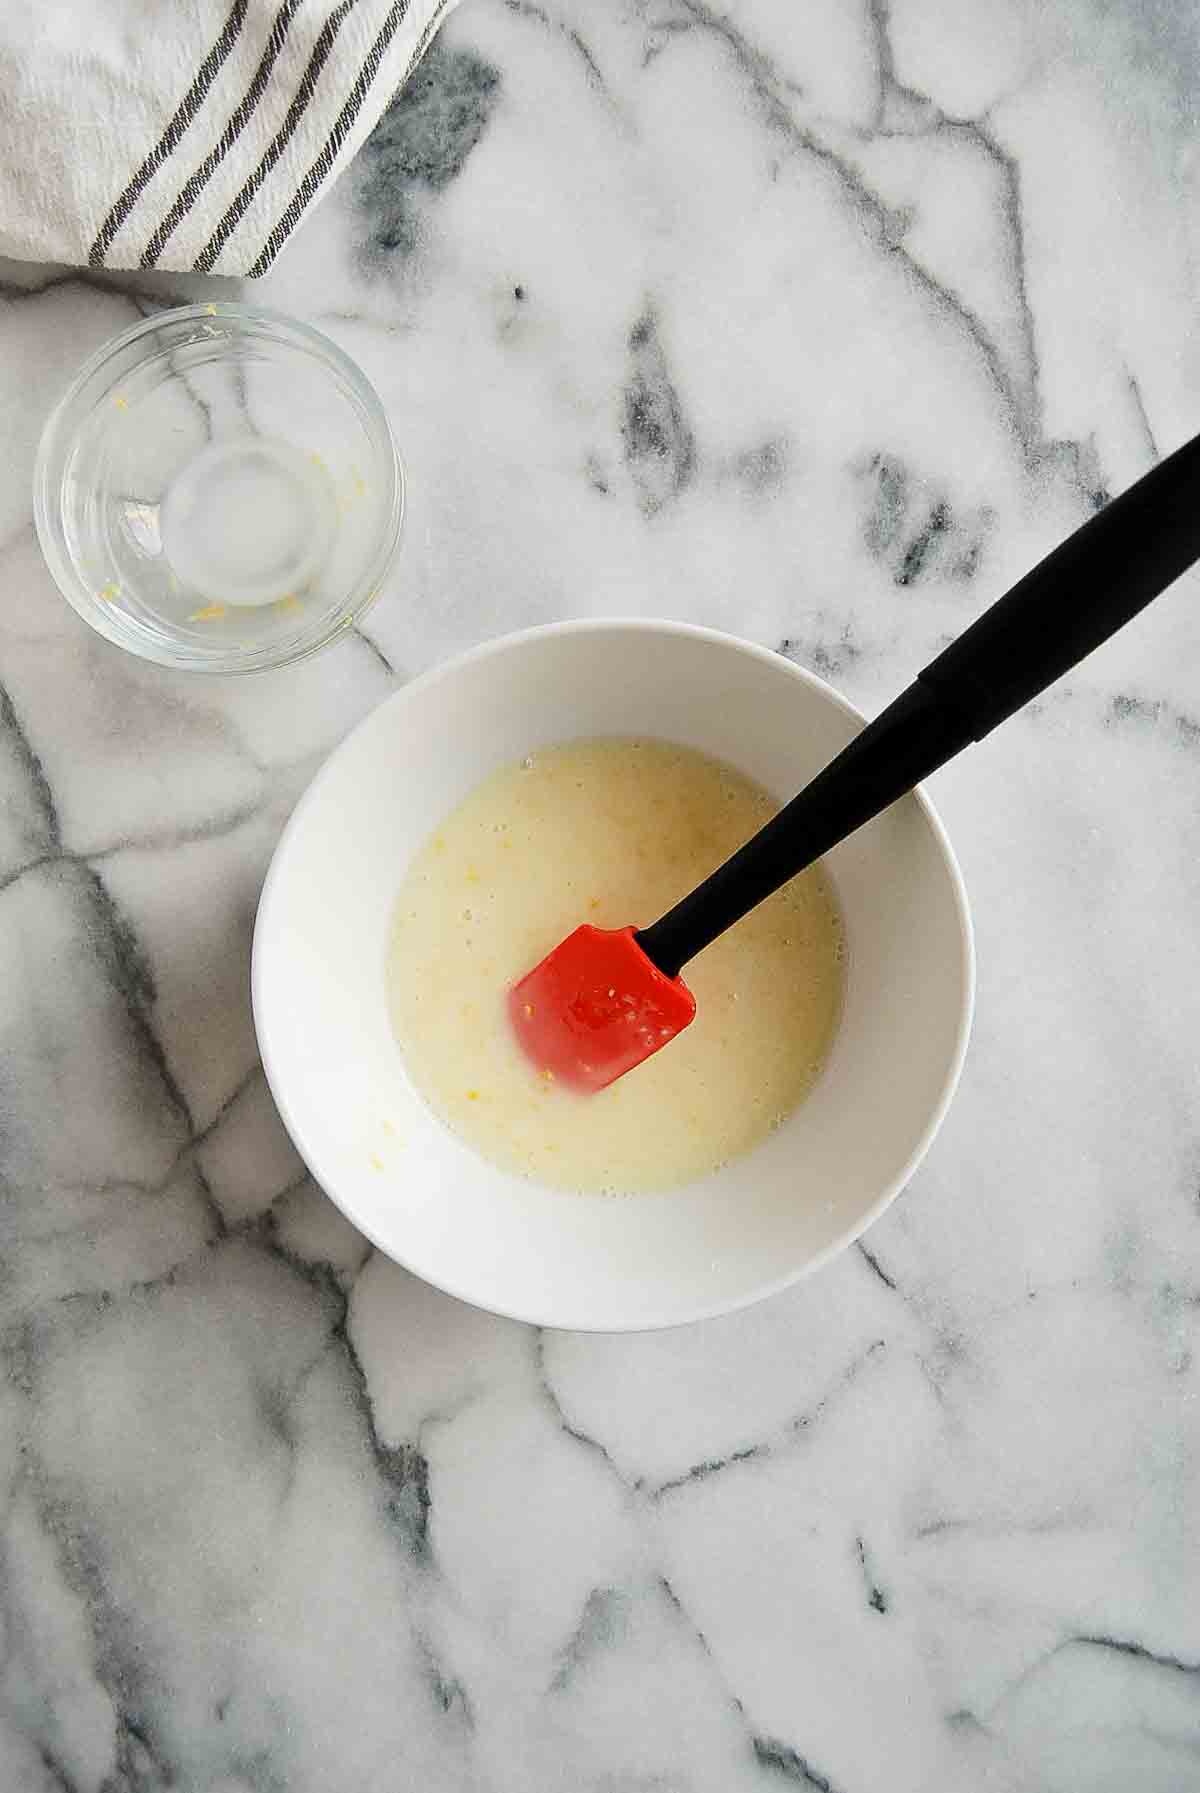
(358,93)
(200,177)
(295,112)
(188,106)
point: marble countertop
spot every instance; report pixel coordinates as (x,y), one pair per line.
(818,324)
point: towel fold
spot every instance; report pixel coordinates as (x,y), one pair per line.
(158,134)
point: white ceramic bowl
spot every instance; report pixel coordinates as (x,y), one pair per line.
(428,1200)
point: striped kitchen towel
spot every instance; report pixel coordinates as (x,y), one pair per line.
(187,134)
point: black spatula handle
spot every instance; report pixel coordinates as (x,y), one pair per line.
(1082,593)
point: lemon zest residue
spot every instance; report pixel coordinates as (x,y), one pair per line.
(121,402)
(210,614)
(376,1161)
(108,592)
(287,604)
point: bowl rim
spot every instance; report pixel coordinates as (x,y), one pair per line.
(53,449)
(445,671)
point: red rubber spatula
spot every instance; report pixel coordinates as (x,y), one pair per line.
(606,999)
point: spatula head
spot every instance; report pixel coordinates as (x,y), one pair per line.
(595,1007)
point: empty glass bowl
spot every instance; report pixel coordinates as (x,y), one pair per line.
(219,490)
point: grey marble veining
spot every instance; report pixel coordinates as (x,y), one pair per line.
(819,325)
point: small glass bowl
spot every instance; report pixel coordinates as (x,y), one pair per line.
(219,490)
